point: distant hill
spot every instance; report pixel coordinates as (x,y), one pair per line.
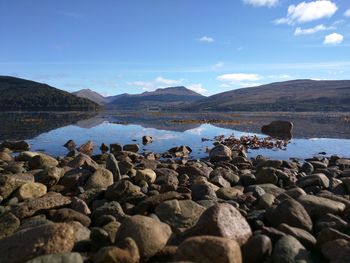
(21,94)
(295,95)
(91,95)
(168,98)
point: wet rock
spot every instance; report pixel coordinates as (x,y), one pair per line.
(15,145)
(147,140)
(87,148)
(291,213)
(222,220)
(128,254)
(131,148)
(207,249)
(100,179)
(30,190)
(70,145)
(179,214)
(67,215)
(112,165)
(9,223)
(220,153)
(46,239)
(72,257)
(48,201)
(279,129)
(257,249)
(318,206)
(149,234)
(289,250)
(147,175)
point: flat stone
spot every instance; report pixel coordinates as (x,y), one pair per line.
(30,190)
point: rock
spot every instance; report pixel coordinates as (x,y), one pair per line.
(72,257)
(307,168)
(329,220)
(179,214)
(70,145)
(222,220)
(257,249)
(48,201)
(203,192)
(83,160)
(111,208)
(168,182)
(304,237)
(30,190)
(15,145)
(337,251)
(228,193)
(49,176)
(208,249)
(112,228)
(266,175)
(180,151)
(112,165)
(80,206)
(131,148)
(6,157)
(289,250)
(226,173)
(147,140)
(279,129)
(104,148)
(220,153)
(87,148)
(100,179)
(9,183)
(318,179)
(115,148)
(128,254)
(37,241)
(149,234)
(82,233)
(122,190)
(67,215)
(147,175)
(9,223)
(41,160)
(266,200)
(328,234)
(291,213)
(318,206)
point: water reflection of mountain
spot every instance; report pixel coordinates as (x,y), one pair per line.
(27,125)
(306,125)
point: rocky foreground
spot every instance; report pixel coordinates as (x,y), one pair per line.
(122,206)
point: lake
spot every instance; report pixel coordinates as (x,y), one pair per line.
(314,133)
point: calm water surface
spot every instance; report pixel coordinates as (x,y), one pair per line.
(123,129)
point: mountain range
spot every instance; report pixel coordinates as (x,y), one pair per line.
(294,95)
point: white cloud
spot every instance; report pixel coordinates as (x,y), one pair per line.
(238,77)
(197,88)
(308,11)
(159,82)
(309,31)
(259,3)
(218,65)
(206,39)
(347,13)
(333,39)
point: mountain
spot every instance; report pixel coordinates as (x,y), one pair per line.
(166,99)
(21,94)
(295,95)
(91,95)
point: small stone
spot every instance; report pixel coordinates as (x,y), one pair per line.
(70,145)
(147,140)
(146,174)
(149,234)
(30,190)
(104,148)
(87,148)
(208,249)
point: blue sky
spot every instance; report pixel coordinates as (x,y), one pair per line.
(115,46)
